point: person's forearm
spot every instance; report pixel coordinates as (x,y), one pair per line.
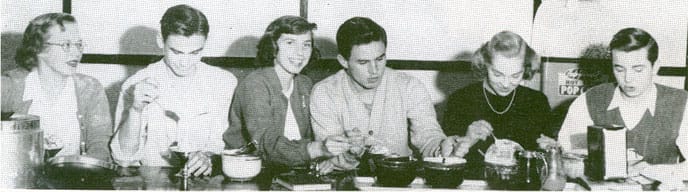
(316,150)
(129,132)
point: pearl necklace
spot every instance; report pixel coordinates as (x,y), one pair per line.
(492,108)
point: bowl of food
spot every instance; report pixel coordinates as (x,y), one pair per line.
(79,172)
(502,170)
(444,172)
(240,167)
(502,177)
(395,171)
(367,166)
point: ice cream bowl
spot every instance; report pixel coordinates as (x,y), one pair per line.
(502,176)
(444,172)
(395,171)
(239,166)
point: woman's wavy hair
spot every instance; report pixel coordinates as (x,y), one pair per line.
(267,46)
(35,36)
(510,45)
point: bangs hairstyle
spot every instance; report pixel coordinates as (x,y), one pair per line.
(35,36)
(267,46)
(183,20)
(357,31)
(631,39)
(507,44)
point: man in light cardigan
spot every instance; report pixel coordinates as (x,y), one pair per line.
(368,98)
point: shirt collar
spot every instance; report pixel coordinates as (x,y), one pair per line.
(167,74)
(32,86)
(646,101)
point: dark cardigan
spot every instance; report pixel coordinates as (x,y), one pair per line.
(258,112)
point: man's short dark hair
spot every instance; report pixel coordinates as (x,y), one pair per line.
(357,31)
(183,20)
(631,39)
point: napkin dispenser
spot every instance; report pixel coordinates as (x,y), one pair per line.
(606,152)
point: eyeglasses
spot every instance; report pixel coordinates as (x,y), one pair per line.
(66,47)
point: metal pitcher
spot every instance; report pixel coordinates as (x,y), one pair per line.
(21,151)
(533,167)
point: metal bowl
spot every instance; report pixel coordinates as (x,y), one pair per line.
(395,171)
(80,172)
(447,174)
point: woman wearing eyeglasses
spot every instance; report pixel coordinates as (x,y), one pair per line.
(73,108)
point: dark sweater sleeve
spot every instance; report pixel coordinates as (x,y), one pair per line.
(234,136)
(544,116)
(458,115)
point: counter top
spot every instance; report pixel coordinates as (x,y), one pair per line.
(163,178)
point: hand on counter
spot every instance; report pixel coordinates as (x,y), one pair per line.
(199,164)
(671,176)
(344,161)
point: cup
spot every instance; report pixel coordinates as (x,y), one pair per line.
(240,167)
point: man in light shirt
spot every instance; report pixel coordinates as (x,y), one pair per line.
(368,99)
(655,115)
(178,101)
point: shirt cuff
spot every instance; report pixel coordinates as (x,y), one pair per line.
(123,159)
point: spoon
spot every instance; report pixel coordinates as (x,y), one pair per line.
(481,152)
(494,137)
(248,148)
(171,114)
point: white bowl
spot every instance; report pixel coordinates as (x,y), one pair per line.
(240,167)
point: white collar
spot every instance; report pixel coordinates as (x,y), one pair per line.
(287,91)
(646,101)
(166,74)
(32,87)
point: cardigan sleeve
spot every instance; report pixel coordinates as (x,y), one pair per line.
(98,124)
(257,110)
(425,131)
(7,94)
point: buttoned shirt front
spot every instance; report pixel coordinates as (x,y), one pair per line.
(190,112)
